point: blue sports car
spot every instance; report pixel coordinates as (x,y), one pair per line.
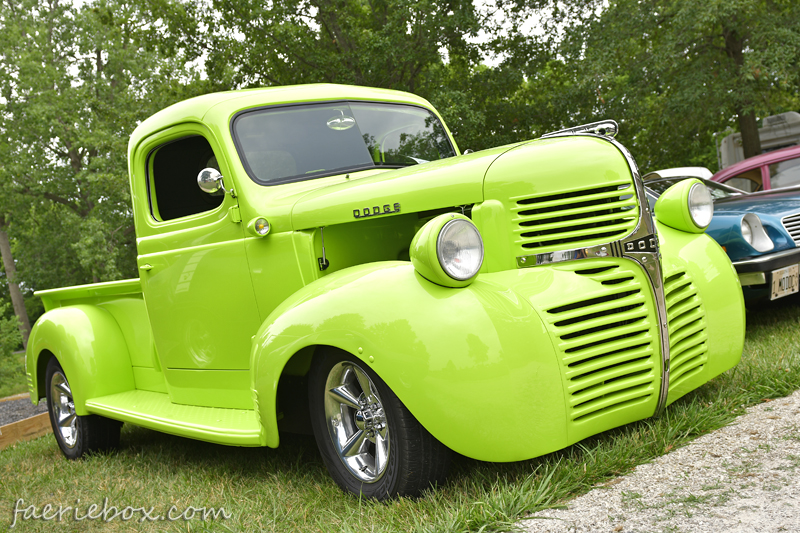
(760,231)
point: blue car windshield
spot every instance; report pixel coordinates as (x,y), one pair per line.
(293,143)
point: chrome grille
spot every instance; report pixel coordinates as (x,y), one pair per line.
(606,344)
(792,225)
(575,218)
(687,329)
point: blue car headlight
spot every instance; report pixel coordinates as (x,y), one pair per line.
(754,234)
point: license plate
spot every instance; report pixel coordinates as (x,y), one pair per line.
(784,281)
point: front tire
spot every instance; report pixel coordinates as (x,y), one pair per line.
(76,435)
(370,443)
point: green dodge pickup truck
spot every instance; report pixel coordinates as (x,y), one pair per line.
(323,259)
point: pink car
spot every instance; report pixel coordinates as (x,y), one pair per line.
(773,170)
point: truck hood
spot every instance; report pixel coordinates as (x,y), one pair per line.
(435,185)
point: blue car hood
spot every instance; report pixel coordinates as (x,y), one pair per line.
(776,203)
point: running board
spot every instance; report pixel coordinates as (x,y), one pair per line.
(154,410)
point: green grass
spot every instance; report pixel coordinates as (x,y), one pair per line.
(288,489)
(12,374)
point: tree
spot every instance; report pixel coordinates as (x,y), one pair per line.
(678,70)
(380,43)
(74,82)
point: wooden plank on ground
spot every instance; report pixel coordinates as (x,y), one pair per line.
(26,429)
(19,396)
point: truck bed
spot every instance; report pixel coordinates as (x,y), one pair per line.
(54,298)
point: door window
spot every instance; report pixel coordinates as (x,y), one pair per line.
(173,170)
(785,173)
(749,181)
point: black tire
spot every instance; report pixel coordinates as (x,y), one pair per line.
(413,461)
(76,435)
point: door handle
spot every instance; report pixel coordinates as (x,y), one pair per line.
(146,267)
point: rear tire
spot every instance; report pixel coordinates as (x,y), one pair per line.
(76,435)
(370,443)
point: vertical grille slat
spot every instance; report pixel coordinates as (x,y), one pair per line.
(792,225)
(582,217)
(606,344)
(688,341)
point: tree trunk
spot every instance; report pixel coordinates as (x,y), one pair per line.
(751,142)
(13,288)
(734,48)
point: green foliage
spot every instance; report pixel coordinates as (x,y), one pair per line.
(675,71)
(12,368)
(379,43)
(75,80)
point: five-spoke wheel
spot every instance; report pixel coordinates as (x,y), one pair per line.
(370,442)
(76,435)
(357,422)
(65,421)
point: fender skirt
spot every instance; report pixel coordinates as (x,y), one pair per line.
(89,344)
(474,365)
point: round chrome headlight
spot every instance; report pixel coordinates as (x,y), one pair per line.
(701,206)
(460,249)
(448,250)
(747,232)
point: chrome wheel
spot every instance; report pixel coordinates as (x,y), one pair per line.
(63,409)
(357,422)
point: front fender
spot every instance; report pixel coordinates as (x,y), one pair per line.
(474,365)
(89,344)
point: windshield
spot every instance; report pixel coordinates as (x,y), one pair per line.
(295,143)
(717,190)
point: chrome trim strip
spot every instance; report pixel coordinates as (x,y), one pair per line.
(767,258)
(639,246)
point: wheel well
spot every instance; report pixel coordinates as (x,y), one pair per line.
(292,398)
(41,373)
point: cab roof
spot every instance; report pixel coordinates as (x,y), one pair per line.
(230,102)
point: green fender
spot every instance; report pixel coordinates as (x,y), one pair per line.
(89,344)
(490,390)
(718,288)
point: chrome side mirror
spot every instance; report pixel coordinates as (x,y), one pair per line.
(210,181)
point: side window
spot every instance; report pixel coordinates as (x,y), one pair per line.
(749,181)
(173,178)
(785,173)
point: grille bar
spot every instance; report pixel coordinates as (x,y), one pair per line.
(531,215)
(688,339)
(612,400)
(557,230)
(576,218)
(792,225)
(605,342)
(582,382)
(591,353)
(609,191)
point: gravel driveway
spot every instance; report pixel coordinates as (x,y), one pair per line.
(742,478)
(19,408)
